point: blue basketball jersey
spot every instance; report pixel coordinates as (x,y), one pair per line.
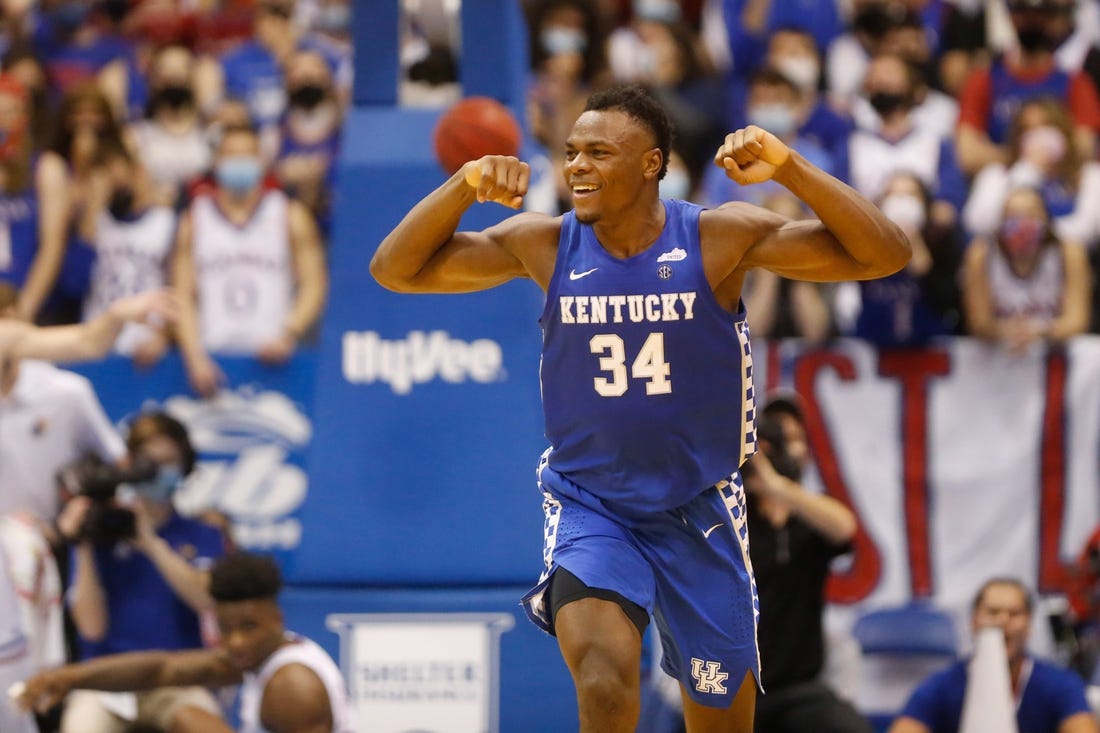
(646,379)
(18,236)
(1009,93)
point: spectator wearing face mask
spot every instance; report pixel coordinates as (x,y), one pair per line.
(1024,284)
(330,19)
(310,134)
(871,158)
(85,126)
(753,24)
(629,53)
(847,57)
(568,63)
(794,54)
(171,140)
(248,265)
(1041,155)
(775,105)
(921,301)
(132,233)
(254,70)
(991,95)
(932,109)
(145,592)
(683,80)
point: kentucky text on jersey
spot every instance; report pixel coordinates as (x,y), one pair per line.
(636,308)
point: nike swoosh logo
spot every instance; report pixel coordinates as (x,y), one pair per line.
(707,533)
(574,275)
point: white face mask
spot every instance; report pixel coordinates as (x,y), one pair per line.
(660,11)
(557,40)
(803,71)
(905,210)
(775,117)
(675,185)
(1045,143)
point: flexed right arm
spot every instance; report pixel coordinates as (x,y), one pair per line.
(424,254)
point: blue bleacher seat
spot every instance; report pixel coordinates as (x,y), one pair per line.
(900,646)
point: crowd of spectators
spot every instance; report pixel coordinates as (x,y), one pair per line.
(193,142)
(121,119)
(941,111)
(146,143)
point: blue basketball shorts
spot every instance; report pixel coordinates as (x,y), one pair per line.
(689,567)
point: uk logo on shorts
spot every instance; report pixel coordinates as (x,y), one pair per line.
(708,677)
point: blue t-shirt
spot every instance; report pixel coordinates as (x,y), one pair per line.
(254,76)
(820,19)
(142,609)
(1052,694)
(1009,93)
(646,379)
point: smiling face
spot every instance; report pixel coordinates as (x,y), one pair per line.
(612,165)
(251,630)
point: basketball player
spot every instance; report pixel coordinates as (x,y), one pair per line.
(19,340)
(289,684)
(647,386)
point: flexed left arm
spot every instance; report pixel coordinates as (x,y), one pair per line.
(850,240)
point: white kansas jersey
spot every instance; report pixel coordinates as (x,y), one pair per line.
(873,160)
(297,650)
(244,274)
(131,257)
(1038,297)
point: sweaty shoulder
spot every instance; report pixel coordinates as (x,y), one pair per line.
(295,699)
(533,239)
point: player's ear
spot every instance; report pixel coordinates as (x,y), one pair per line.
(652,161)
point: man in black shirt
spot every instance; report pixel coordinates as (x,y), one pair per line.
(793,537)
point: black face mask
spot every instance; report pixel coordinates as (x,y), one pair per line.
(174,97)
(121,205)
(1035,38)
(307,96)
(886,103)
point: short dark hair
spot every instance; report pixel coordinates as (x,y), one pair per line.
(784,403)
(1011,582)
(769,77)
(242,576)
(148,425)
(240,128)
(636,101)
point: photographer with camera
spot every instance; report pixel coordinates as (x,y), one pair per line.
(793,537)
(140,572)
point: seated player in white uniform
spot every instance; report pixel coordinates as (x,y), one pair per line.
(22,340)
(288,682)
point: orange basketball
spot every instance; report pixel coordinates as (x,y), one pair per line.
(474,127)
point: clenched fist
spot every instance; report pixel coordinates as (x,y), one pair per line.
(751,155)
(499,178)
